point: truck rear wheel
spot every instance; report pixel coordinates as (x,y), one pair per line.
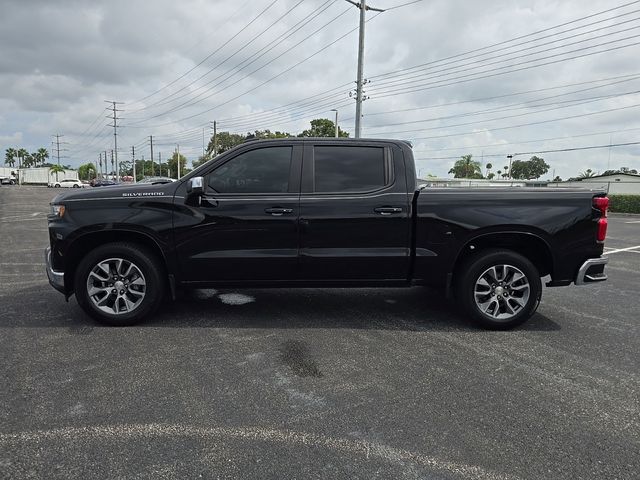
(119,283)
(498,289)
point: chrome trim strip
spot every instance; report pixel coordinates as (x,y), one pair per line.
(582,273)
(56,279)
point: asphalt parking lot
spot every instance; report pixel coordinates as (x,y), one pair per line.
(315,383)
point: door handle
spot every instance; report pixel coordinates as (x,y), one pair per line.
(387,210)
(277,211)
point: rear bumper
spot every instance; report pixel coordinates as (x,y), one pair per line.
(592,271)
(56,279)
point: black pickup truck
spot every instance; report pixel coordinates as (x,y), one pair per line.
(322,213)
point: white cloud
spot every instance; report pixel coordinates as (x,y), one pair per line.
(59,62)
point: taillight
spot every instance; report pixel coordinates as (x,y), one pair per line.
(601,204)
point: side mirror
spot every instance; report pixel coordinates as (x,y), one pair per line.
(195,186)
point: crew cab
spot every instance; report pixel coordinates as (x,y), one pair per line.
(322,212)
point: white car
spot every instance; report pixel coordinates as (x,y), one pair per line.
(67,183)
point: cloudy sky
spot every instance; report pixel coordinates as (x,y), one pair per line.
(455,77)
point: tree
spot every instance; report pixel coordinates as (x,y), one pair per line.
(488,166)
(87,171)
(499,172)
(535,167)
(10,157)
(588,173)
(21,154)
(557,179)
(56,169)
(490,175)
(268,134)
(42,154)
(323,127)
(466,168)
(172,163)
(225,141)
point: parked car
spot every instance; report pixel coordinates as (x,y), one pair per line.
(66,183)
(322,213)
(157,180)
(102,182)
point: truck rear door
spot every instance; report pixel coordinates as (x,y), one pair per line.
(354,213)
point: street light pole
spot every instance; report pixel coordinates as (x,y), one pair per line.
(510,157)
(336,110)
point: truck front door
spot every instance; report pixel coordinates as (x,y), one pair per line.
(244,228)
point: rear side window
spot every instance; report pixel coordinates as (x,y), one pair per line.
(349,169)
(264,170)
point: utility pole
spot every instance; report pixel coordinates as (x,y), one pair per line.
(336,110)
(105,163)
(178,155)
(510,157)
(215,138)
(133,159)
(114,171)
(151,144)
(359,82)
(100,164)
(160,163)
(143,166)
(115,130)
(57,146)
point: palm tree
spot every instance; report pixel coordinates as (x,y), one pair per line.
(21,154)
(489,167)
(56,169)
(9,158)
(588,173)
(499,172)
(43,154)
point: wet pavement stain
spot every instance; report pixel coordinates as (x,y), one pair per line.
(295,354)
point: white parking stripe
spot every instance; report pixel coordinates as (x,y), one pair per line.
(622,250)
(635,221)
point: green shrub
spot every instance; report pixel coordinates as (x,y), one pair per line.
(624,203)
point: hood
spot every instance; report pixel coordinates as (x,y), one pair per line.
(142,190)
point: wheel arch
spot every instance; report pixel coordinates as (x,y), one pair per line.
(86,242)
(528,244)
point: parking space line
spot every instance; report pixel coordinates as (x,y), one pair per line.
(634,221)
(622,250)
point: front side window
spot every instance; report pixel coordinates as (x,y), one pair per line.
(349,169)
(264,170)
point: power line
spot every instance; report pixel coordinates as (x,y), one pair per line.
(245,45)
(510,40)
(211,54)
(571,149)
(525,124)
(521,105)
(192,102)
(457,68)
(522,142)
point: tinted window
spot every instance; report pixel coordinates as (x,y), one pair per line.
(348,169)
(265,170)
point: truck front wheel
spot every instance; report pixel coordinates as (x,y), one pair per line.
(498,289)
(119,283)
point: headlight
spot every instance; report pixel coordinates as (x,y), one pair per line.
(57,210)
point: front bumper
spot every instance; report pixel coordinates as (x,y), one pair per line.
(592,271)
(56,279)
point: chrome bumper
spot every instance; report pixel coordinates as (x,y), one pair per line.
(56,279)
(592,271)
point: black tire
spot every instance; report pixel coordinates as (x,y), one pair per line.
(149,270)
(76,186)
(507,302)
